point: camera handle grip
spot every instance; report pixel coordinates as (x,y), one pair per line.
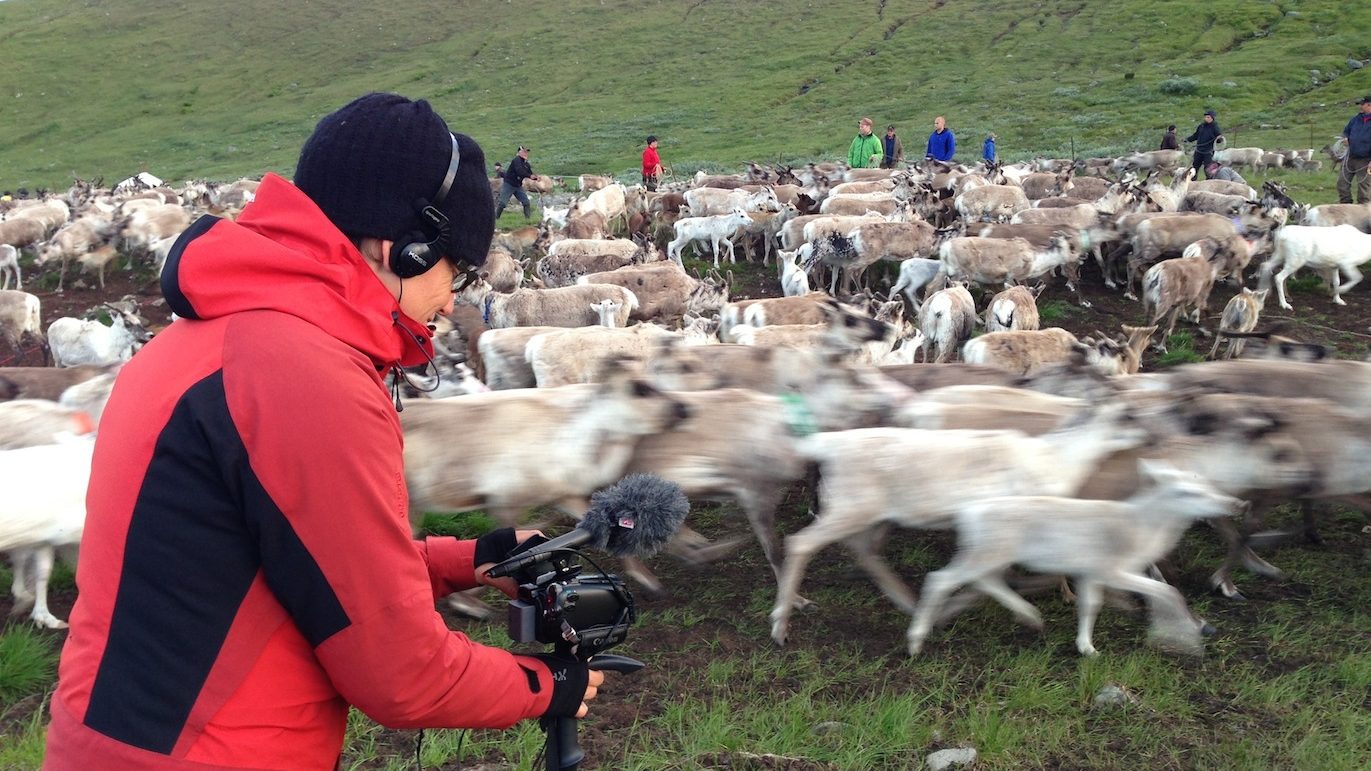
(613,662)
(563,752)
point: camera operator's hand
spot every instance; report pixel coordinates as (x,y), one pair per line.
(593,683)
(491,549)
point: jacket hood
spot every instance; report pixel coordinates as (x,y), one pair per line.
(283,254)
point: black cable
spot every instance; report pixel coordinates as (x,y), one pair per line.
(419,749)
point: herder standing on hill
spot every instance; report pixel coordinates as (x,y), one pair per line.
(249,571)
(1169,139)
(865,151)
(941,143)
(894,150)
(1206,134)
(518,171)
(652,165)
(1355,165)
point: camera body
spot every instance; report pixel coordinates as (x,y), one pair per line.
(558,605)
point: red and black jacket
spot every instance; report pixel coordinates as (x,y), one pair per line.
(247,570)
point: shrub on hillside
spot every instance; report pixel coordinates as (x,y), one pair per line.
(1179,86)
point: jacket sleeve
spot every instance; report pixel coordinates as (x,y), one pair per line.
(1194,136)
(899,149)
(1347,130)
(451,564)
(327,493)
(854,150)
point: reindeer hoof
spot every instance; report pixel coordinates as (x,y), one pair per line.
(1185,644)
(780,630)
(48,621)
(1229,591)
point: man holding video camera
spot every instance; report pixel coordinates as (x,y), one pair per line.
(247,571)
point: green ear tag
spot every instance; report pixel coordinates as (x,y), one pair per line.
(799,419)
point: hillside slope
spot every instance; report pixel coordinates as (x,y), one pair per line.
(221,89)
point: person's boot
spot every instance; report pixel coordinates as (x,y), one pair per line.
(528,213)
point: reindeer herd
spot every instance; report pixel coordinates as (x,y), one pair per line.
(587,351)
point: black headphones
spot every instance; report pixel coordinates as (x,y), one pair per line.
(416,252)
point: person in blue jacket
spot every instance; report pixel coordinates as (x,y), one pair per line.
(1356,166)
(941,143)
(988,149)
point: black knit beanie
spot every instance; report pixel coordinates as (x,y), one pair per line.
(368,163)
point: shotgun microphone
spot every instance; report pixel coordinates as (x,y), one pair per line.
(634,517)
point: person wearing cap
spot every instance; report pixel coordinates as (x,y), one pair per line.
(1354,166)
(248,571)
(942,144)
(865,150)
(892,149)
(652,165)
(1213,170)
(514,177)
(988,149)
(1206,134)
(1169,139)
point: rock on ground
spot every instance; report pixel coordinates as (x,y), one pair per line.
(944,759)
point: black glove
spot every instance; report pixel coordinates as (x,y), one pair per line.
(570,677)
(495,546)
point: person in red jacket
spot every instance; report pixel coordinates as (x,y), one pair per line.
(247,570)
(652,165)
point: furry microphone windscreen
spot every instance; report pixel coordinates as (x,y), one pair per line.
(636,516)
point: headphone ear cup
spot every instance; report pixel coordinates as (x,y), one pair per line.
(413,256)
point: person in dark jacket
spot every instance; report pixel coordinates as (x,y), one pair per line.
(1356,165)
(892,147)
(1206,134)
(988,149)
(514,177)
(250,572)
(941,143)
(1169,139)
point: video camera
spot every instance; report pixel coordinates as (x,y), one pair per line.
(558,605)
(584,614)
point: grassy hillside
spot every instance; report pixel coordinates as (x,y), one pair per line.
(107,88)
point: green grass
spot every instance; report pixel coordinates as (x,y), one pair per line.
(1180,349)
(1058,310)
(28,662)
(233,89)
(1309,283)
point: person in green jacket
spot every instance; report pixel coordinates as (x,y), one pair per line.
(865,152)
